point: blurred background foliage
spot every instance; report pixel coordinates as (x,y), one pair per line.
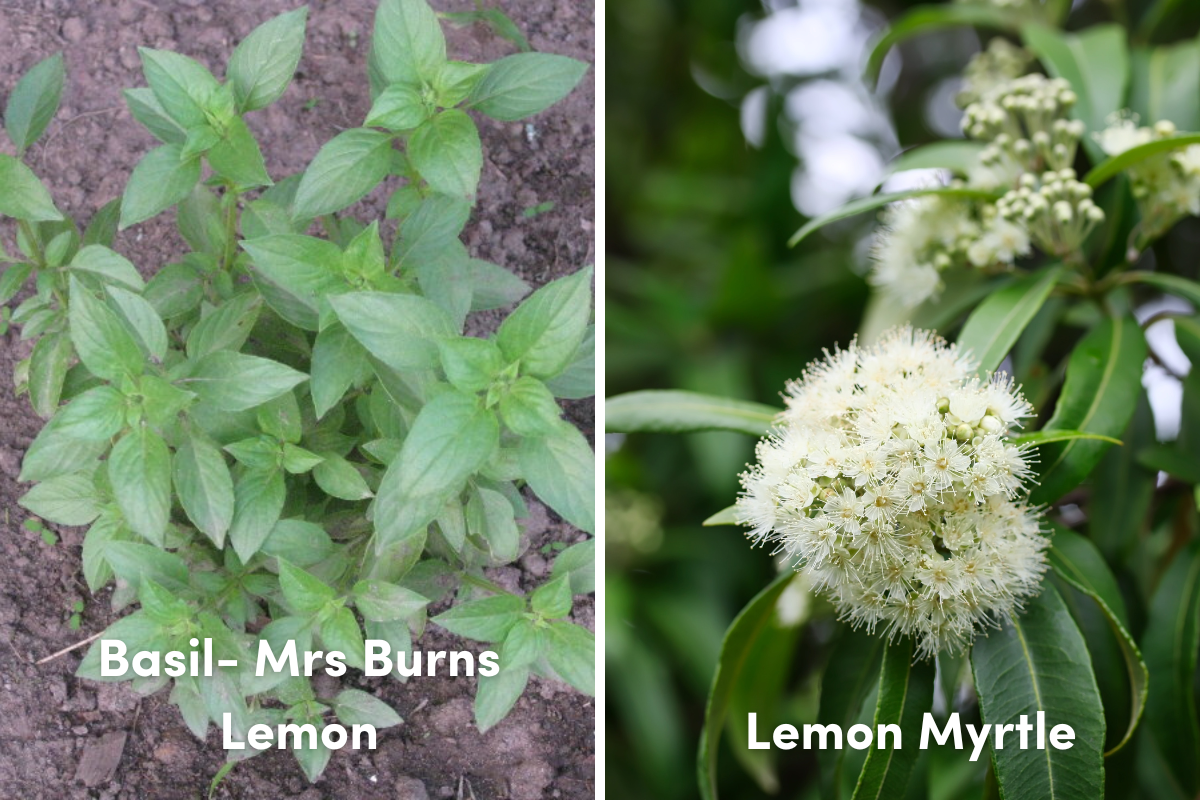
(729,122)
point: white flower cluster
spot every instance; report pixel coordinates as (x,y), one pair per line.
(1167,185)
(1055,208)
(1000,63)
(922,237)
(891,482)
(1025,122)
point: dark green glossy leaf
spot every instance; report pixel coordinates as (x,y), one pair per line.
(996,323)
(683,412)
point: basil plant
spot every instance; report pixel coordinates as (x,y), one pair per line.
(284,434)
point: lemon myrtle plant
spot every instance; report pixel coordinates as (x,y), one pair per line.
(968,504)
(284,435)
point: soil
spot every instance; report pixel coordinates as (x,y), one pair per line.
(49,720)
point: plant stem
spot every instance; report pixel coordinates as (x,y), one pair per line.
(231,199)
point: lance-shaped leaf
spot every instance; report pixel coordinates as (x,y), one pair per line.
(1111,167)
(300,271)
(1038,438)
(1099,396)
(1077,561)
(865,204)
(1038,662)
(905,696)
(520,85)
(749,624)
(1170,645)
(139,470)
(996,323)
(1095,61)
(451,438)
(205,487)
(683,412)
(236,381)
(561,468)
(401,330)
(261,66)
(852,670)
(923,19)
(24,196)
(33,102)
(345,168)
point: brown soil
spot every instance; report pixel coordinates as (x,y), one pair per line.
(47,718)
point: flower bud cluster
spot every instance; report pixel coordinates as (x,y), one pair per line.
(1024,120)
(1166,185)
(891,482)
(1055,208)
(1000,63)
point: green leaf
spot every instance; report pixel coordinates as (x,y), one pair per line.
(1039,661)
(521,85)
(1099,396)
(355,707)
(134,562)
(109,266)
(1111,167)
(470,364)
(1170,645)
(578,380)
(54,453)
(905,696)
(401,330)
(457,79)
(304,592)
(726,516)
(578,563)
(487,620)
(497,694)
(493,286)
(1171,284)
(739,638)
(303,268)
(1095,62)
(924,19)
(561,468)
(1079,563)
(104,344)
(996,323)
(205,487)
(301,542)
(262,65)
(1038,438)
(237,157)
(683,412)
(102,227)
(139,470)
(447,153)
(1165,84)
(146,109)
(136,631)
(341,632)
(865,204)
(571,651)
(160,180)
(13,278)
(1122,490)
(66,500)
(845,683)
(338,361)
(528,408)
(258,497)
(175,290)
(337,477)
(48,365)
(24,196)
(142,321)
(346,167)
(183,87)
(490,515)
(430,231)
(552,600)
(226,328)
(96,415)
(544,332)
(451,438)
(407,45)
(380,601)
(236,381)
(399,108)
(33,102)
(956,155)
